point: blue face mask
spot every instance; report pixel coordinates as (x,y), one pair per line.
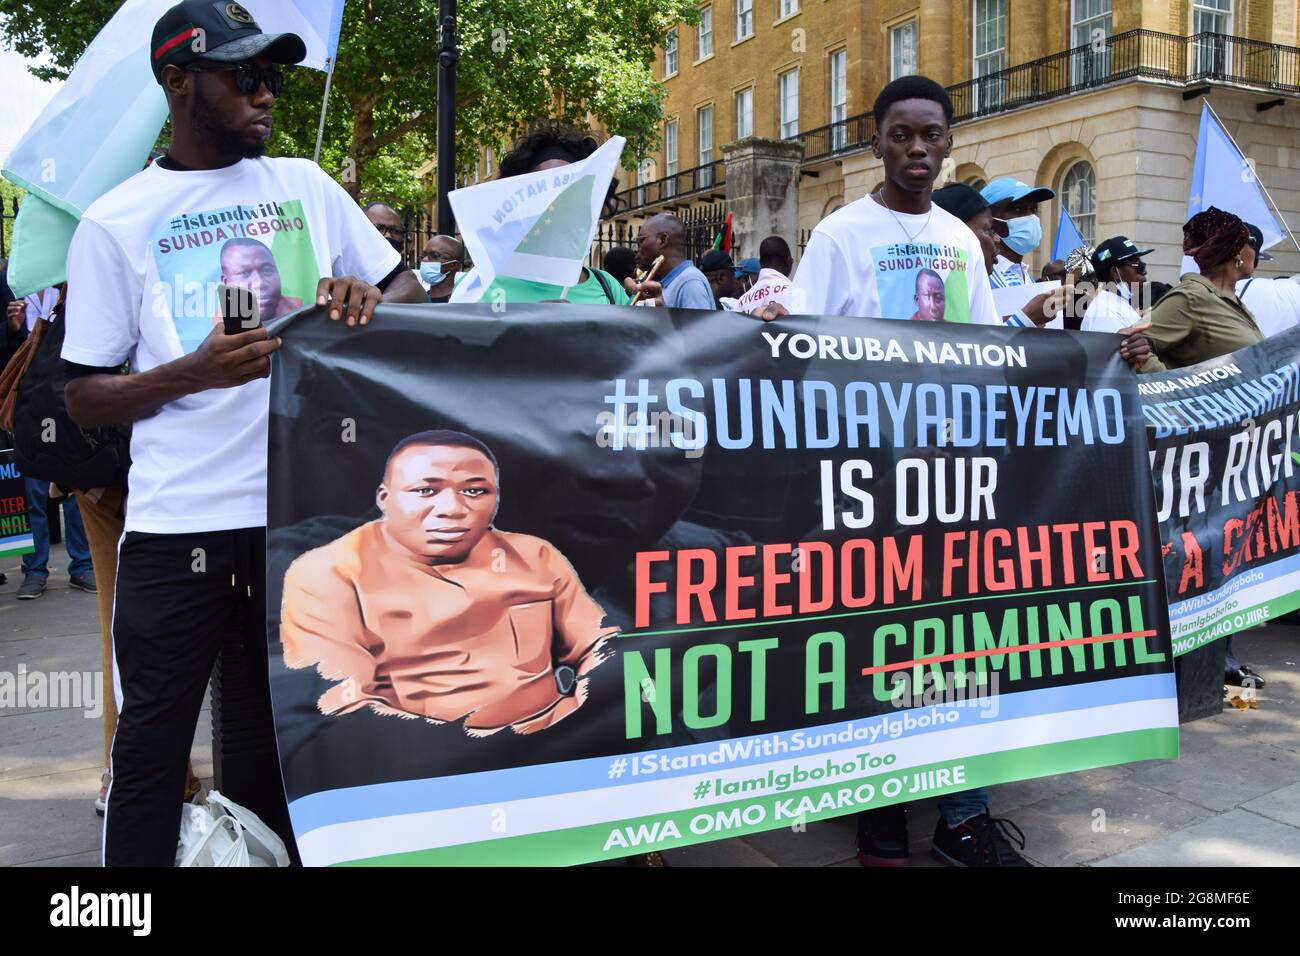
(431,272)
(1024,234)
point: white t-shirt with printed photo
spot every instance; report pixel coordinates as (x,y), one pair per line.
(142,276)
(860,261)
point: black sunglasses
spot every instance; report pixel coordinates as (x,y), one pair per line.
(247,76)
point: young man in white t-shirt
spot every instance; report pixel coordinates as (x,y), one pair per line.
(865,258)
(143,270)
(896,255)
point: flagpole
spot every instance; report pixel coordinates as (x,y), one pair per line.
(324,108)
(1258,182)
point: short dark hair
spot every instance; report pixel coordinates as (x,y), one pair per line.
(371,205)
(773,251)
(442,437)
(911,88)
(244,242)
(620,262)
(931,273)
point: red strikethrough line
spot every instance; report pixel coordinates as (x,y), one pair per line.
(1019,649)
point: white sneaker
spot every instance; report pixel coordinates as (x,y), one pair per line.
(101,801)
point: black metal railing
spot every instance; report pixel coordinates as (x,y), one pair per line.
(420,227)
(848,134)
(702,222)
(694,184)
(1136,54)
(610,233)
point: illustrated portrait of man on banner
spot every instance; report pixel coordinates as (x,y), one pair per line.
(429,611)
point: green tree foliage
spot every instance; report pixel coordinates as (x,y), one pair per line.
(10,197)
(589,64)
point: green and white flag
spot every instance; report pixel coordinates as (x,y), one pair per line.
(97,131)
(535,226)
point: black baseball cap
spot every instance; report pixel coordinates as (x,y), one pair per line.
(715,260)
(1116,250)
(1257,240)
(216,31)
(965,202)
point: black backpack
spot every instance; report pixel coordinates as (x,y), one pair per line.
(50,446)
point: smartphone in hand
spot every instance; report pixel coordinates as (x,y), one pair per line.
(239,309)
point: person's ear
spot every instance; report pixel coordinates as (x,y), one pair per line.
(176,82)
(381,496)
(875,145)
(948,150)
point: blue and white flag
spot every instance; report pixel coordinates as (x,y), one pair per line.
(535,226)
(1068,237)
(98,129)
(318,22)
(1222,176)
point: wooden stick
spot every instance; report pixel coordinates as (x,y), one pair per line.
(654,267)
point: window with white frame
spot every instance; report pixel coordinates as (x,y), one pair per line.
(1210,53)
(785,8)
(744,113)
(839,63)
(902,50)
(670,157)
(788,97)
(744,19)
(1090,25)
(670,53)
(1079,192)
(704,137)
(704,34)
(990,47)
(645,172)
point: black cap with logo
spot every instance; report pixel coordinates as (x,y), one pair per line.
(1116,250)
(1257,240)
(216,31)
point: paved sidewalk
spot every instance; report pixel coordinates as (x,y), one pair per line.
(1232,799)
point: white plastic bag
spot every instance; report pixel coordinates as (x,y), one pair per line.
(222,833)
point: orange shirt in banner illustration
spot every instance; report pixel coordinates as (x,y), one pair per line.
(431,612)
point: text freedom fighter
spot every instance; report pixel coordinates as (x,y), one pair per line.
(778,580)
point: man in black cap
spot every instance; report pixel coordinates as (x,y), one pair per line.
(721,273)
(966,203)
(191,572)
(1122,287)
(1274,302)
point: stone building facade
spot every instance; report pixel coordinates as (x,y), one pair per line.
(1100,99)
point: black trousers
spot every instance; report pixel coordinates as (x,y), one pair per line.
(183,601)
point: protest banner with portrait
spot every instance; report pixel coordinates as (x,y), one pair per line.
(1225,465)
(559,585)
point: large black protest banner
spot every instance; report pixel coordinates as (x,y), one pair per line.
(1225,464)
(571,582)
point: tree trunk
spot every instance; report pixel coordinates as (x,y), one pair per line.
(362,149)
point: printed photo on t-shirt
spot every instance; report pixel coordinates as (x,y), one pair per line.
(922,281)
(265,247)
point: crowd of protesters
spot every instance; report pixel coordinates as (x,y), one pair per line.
(197,481)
